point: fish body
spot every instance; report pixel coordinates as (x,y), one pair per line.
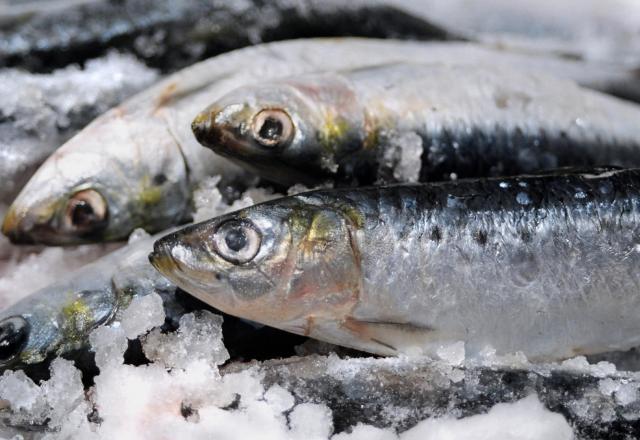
(544,265)
(57,320)
(137,165)
(377,123)
(170,35)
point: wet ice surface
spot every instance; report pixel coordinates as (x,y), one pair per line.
(39,112)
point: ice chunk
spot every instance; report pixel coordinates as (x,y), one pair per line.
(279,399)
(51,403)
(452,353)
(311,421)
(199,337)
(109,344)
(209,202)
(20,391)
(580,363)
(144,313)
(526,419)
(402,156)
(63,392)
(625,393)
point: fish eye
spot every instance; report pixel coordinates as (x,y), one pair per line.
(13,335)
(237,241)
(86,211)
(272,127)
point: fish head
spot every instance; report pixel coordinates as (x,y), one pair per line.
(100,186)
(293,131)
(283,263)
(53,321)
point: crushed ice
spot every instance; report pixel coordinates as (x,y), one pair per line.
(182,394)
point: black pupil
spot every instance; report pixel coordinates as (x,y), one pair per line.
(12,337)
(236,239)
(82,213)
(271,129)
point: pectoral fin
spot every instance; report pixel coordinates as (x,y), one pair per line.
(397,337)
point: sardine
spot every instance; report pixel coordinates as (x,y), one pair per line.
(136,165)
(377,123)
(57,320)
(170,35)
(545,265)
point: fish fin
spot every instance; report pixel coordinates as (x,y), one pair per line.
(399,337)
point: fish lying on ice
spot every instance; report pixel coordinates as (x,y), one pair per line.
(376,123)
(40,35)
(408,269)
(57,319)
(136,165)
(170,35)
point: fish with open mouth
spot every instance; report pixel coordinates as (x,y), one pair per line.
(416,122)
(542,264)
(138,164)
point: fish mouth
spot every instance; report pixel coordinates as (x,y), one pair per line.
(18,227)
(161,259)
(205,286)
(206,131)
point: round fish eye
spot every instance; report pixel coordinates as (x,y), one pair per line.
(272,128)
(237,241)
(13,334)
(86,211)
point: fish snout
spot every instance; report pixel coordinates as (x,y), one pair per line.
(162,260)
(14,332)
(17,227)
(206,131)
